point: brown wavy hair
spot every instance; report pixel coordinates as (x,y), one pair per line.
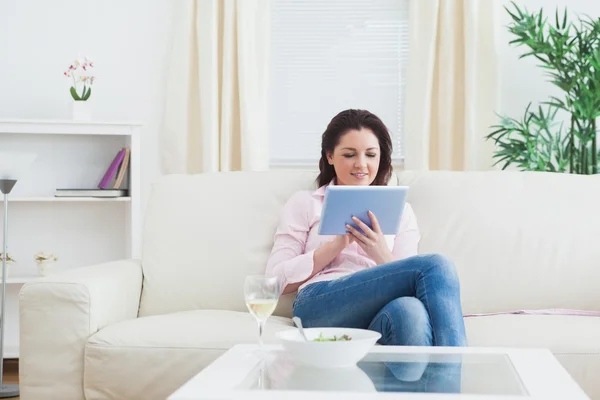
(339,126)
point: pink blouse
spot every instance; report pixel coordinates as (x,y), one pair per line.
(297,238)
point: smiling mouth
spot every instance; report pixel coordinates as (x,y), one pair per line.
(360,175)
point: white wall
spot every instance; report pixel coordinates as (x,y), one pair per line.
(128,41)
(521,80)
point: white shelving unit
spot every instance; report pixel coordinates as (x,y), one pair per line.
(68,199)
(79,230)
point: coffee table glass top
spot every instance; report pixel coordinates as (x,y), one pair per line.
(387,372)
(484,374)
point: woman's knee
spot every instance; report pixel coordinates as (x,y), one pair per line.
(410,309)
(443,266)
(403,322)
(411,321)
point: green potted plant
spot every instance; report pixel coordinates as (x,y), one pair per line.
(569,52)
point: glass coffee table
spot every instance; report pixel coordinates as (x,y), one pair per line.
(386,372)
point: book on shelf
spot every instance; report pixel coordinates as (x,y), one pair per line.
(104,193)
(122,169)
(111,182)
(114,175)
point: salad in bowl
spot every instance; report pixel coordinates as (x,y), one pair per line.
(328,347)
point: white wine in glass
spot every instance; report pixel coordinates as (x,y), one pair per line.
(261,308)
(261,294)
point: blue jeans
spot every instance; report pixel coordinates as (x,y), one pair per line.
(412,302)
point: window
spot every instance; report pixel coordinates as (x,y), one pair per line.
(328,56)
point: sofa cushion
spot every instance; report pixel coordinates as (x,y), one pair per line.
(506,231)
(205,233)
(559,333)
(574,340)
(520,240)
(151,357)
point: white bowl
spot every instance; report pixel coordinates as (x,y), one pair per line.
(338,354)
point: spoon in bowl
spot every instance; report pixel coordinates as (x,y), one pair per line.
(298,323)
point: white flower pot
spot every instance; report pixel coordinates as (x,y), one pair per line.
(46,267)
(81,110)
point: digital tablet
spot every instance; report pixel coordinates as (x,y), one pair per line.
(344,201)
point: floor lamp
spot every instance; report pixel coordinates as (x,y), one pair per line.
(12,166)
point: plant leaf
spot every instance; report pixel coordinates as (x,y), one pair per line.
(74,94)
(87,95)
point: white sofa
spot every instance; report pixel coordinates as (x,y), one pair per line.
(139,329)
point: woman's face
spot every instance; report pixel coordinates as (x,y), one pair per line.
(356,158)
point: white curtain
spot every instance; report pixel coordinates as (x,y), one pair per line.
(216,114)
(452,80)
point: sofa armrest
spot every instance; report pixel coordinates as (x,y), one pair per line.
(58,313)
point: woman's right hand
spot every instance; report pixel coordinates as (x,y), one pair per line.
(342,241)
(326,253)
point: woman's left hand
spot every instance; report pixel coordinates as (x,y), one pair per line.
(371,241)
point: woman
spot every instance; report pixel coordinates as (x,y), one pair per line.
(364,280)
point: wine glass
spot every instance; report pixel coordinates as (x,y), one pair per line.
(261,294)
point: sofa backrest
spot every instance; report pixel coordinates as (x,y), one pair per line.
(205,233)
(519,240)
